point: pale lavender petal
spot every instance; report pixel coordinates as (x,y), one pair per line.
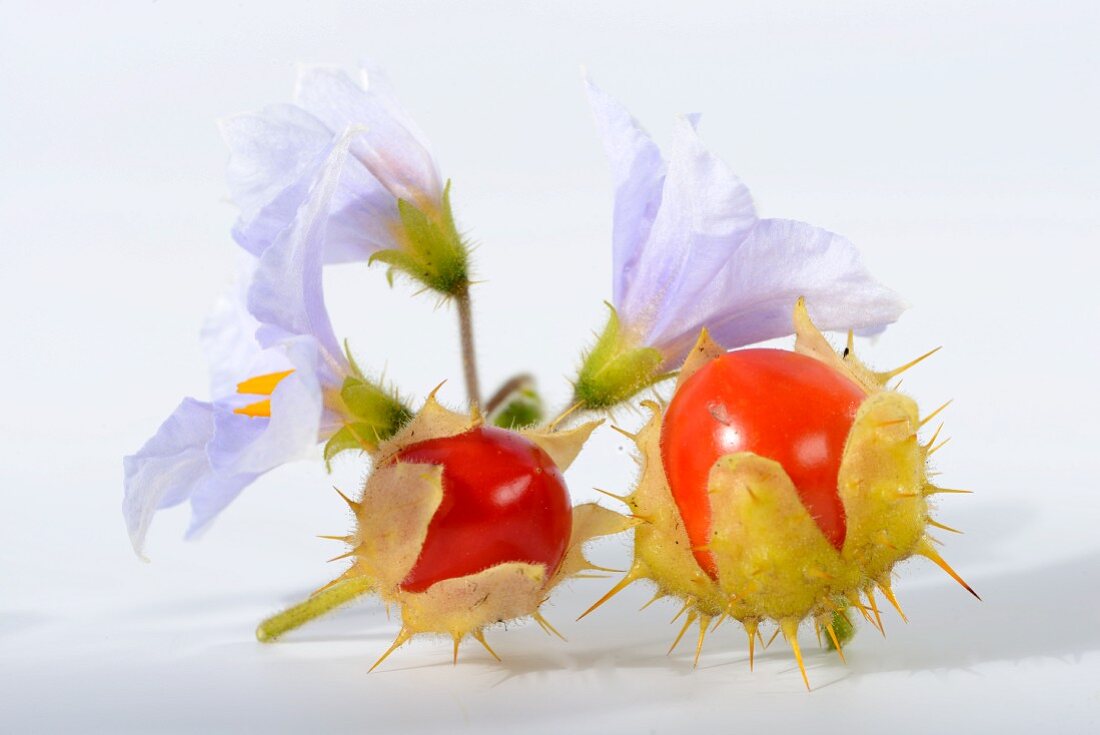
(272,157)
(253,445)
(362,216)
(752,297)
(212,497)
(229,340)
(173,467)
(705,214)
(207,454)
(638,173)
(391,150)
(276,153)
(167,468)
(287,295)
(243,448)
(377,83)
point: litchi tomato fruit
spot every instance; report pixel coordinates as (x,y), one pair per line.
(504,500)
(773,403)
(779,487)
(462,527)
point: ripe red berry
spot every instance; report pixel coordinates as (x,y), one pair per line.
(779,487)
(776,404)
(504,500)
(462,527)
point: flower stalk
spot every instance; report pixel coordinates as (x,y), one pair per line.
(317,605)
(469,351)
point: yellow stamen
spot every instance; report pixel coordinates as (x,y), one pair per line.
(256,410)
(262,385)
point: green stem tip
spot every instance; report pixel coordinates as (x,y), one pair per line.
(316,606)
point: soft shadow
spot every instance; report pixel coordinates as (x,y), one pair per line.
(1044,612)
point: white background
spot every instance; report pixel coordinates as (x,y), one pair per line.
(955,143)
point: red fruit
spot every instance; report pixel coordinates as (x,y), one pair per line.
(780,405)
(504,500)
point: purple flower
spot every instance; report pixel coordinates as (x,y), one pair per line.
(390,204)
(690,252)
(275,365)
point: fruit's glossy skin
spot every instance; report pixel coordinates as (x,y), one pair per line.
(777,404)
(504,500)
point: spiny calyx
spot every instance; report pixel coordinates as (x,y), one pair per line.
(462,526)
(726,527)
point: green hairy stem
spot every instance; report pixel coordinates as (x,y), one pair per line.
(317,605)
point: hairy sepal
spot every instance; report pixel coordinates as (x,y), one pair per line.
(562,446)
(392,517)
(616,368)
(880,483)
(372,414)
(773,561)
(460,606)
(431,251)
(433,421)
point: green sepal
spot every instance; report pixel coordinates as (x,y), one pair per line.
(522,410)
(355,369)
(350,436)
(373,414)
(375,406)
(432,251)
(615,369)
